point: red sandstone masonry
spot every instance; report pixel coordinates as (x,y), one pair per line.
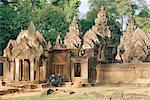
(128,73)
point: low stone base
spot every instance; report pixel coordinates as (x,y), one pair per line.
(7,90)
(28,85)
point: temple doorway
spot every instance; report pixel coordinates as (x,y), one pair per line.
(77,69)
(1,69)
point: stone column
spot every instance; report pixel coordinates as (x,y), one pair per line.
(17,70)
(26,65)
(84,70)
(32,70)
(97,74)
(12,69)
(5,70)
(28,69)
(23,70)
(44,68)
(20,72)
(37,70)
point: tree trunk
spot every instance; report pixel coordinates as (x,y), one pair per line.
(33,5)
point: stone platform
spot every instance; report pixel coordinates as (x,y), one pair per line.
(123,74)
(28,85)
(8,90)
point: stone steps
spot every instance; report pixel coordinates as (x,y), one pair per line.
(8,90)
(30,86)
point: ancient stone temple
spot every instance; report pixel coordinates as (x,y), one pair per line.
(99,38)
(72,39)
(134,44)
(89,39)
(58,43)
(133,51)
(100,28)
(30,59)
(26,56)
(60,60)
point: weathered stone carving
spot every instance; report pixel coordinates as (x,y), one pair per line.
(58,43)
(28,44)
(49,45)
(99,38)
(100,28)
(72,39)
(22,54)
(89,39)
(104,51)
(134,44)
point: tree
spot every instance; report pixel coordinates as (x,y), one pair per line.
(143,20)
(69,7)
(7,25)
(85,25)
(118,9)
(112,15)
(50,22)
(143,17)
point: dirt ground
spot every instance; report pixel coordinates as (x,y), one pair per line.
(84,93)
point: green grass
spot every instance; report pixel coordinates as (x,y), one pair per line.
(56,97)
(87,93)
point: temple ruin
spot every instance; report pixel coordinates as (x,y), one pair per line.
(134,44)
(26,57)
(93,58)
(100,39)
(72,39)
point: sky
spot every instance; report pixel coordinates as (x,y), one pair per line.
(84,8)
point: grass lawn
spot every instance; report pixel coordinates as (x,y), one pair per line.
(56,97)
(86,93)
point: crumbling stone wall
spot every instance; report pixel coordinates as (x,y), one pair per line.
(128,73)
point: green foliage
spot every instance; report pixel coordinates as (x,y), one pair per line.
(123,7)
(50,21)
(13,19)
(84,25)
(143,23)
(8,25)
(143,18)
(112,15)
(69,7)
(117,9)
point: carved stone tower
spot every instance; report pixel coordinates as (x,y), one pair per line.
(72,39)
